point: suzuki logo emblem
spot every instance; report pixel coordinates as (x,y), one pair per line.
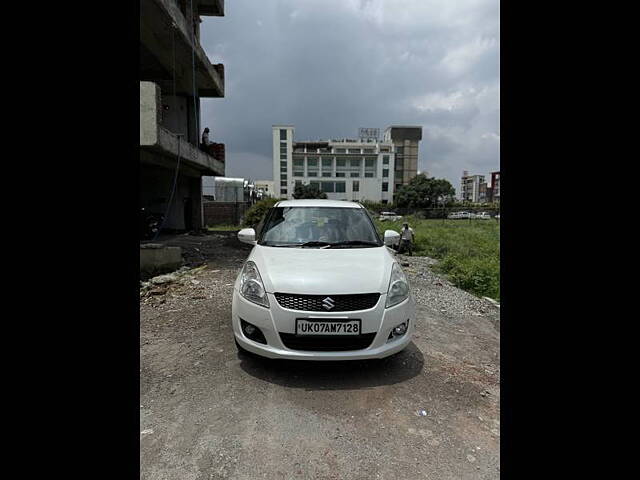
(328,303)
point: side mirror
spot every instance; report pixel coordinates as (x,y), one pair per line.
(247,235)
(391,237)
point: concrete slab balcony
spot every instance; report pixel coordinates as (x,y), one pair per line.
(164,30)
(162,146)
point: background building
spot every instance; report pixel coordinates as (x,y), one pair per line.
(224,189)
(406,140)
(174,74)
(470,187)
(483,192)
(226,199)
(265,188)
(345,169)
(489,193)
(495,187)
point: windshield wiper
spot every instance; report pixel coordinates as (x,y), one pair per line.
(353,242)
(316,244)
(282,244)
(299,244)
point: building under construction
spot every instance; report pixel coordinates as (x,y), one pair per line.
(175,74)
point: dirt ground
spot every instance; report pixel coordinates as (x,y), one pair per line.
(207,412)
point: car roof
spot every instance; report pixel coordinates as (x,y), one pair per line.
(318,203)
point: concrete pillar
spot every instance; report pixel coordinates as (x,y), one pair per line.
(193,136)
(195,191)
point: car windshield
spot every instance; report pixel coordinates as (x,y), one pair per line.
(320,227)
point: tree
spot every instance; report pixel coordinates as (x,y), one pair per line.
(308,191)
(424,192)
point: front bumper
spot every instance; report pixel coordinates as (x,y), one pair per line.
(276,319)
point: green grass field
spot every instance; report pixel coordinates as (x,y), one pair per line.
(468,251)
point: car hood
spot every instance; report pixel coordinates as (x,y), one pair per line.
(315,271)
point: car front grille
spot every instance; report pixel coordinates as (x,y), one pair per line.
(316,303)
(327,343)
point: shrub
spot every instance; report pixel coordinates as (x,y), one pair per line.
(257,211)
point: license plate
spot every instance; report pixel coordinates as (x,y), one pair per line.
(327,327)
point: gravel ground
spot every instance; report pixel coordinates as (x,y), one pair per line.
(435,291)
(208,413)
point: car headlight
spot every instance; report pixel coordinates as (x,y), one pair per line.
(251,286)
(398,286)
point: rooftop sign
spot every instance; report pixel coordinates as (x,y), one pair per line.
(369,133)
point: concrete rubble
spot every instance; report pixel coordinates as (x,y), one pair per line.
(182,276)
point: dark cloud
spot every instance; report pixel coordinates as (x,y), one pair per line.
(333,66)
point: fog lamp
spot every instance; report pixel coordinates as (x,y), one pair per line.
(249,329)
(400,329)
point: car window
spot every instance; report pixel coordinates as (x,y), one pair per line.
(297,225)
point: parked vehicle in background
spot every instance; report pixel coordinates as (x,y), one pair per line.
(391,216)
(483,216)
(149,223)
(320,284)
(459,215)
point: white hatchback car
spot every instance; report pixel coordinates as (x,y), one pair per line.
(320,284)
(392,216)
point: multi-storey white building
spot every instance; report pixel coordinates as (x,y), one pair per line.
(470,187)
(345,169)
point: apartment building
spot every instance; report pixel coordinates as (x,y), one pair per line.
(344,169)
(175,74)
(495,187)
(470,187)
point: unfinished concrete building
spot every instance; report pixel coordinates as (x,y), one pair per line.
(175,74)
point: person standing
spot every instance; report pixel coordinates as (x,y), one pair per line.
(205,139)
(406,239)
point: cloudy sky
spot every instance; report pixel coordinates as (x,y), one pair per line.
(331,66)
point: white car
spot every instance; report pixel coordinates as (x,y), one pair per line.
(459,215)
(392,216)
(320,284)
(483,216)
